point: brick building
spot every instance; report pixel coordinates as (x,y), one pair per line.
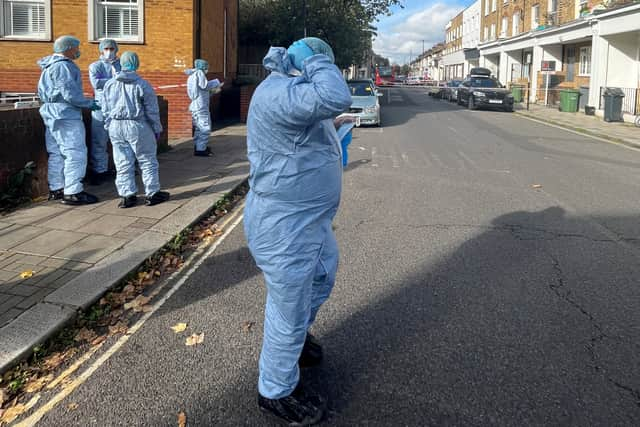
(592,46)
(167,35)
(453,56)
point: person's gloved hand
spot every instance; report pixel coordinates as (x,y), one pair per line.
(298,52)
(95,106)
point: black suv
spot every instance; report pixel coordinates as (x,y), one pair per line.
(479,89)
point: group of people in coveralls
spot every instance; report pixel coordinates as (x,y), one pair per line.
(124,110)
(295,181)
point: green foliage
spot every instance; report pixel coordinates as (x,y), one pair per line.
(18,189)
(347,25)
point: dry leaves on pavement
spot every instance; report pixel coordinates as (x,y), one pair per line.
(179,327)
(10,414)
(182,419)
(38,384)
(119,328)
(195,339)
(85,334)
(137,303)
(72,406)
(26,274)
(536,186)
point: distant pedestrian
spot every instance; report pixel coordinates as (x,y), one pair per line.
(60,90)
(295,181)
(100,72)
(199,90)
(132,118)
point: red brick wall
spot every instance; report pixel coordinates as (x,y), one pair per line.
(26,80)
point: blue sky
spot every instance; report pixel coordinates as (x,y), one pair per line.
(401,34)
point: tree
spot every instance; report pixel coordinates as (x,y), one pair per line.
(347,25)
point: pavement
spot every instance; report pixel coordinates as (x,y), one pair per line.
(625,133)
(56,259)
(488,277)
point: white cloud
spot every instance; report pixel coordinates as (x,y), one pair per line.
(405,38)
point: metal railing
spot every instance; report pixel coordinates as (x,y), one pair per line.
(629,102)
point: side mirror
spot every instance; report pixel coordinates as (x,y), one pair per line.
(378,94)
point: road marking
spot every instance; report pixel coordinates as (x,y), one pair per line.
(373,156)
(201,255)
(597,138)
(405,157)
(467,158)
(438,161)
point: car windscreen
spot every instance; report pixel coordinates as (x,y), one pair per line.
(480,82)
(361,89)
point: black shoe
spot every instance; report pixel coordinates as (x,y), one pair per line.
(203,153)
(128,202)
(158,197)
(96,178)
(56,194)
(82,198)
(311,352)
(298,409)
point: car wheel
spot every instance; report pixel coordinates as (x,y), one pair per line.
(509,109)
(472,103)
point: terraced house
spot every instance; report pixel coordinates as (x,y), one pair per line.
(167,35)
(453,55)
(589,44)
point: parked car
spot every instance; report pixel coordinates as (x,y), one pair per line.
(365,105)
(480,90)
(415,80)
(436,89)
(450,91)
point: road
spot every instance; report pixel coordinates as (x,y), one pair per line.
(489,276)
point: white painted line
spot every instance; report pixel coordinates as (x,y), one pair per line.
(362,148)
(465,157)
(405,157)
(68,389)
(438,161)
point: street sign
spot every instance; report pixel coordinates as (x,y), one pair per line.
(548,66)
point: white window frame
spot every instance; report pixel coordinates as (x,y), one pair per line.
(493,32)
(486,32)
(92,19)
(535,22)
(504,26)
(585,61)
(494,5)
(486,7)
(36,36)
(515,26)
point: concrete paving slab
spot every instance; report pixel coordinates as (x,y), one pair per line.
(108,225)
(87,288)
(140,211)
(9,315)
(22,290)
(33,299)
(32,259)
(91,249)
(33,214)
(4,225)
(35,325)
(17,234)
(7,275)
(50,242)
(71,220)
(64,279)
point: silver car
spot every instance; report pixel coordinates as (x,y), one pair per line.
(365,103)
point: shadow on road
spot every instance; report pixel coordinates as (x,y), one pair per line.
(532,320)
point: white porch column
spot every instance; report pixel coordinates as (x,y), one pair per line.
(504,66)
(535,69)
(599,62)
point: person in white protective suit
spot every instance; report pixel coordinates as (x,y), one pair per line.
(100,72)
(296,180)
(199,90)
(132,118)
(60,91)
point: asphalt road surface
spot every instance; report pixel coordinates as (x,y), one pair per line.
(489,275)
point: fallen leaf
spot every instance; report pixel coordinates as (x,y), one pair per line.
(139,301)
(99,340)
(3,396)
(85,334)
(179,327)
(146,308)
(182,419)
(246,326)
(195,339)
(157,273)
(119,328)
(54,361)
(37,384)
(15,411)
(26,274)
(536,186)
(72,406)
